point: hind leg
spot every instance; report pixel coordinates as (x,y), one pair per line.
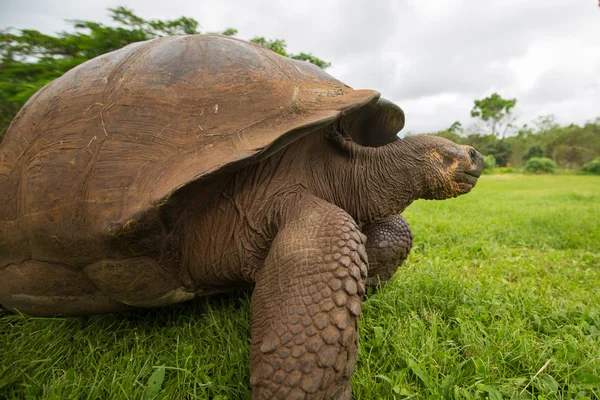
(42,289)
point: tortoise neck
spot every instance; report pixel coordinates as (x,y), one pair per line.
(371,182)
(388,179)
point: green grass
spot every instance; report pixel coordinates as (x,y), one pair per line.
(499,282)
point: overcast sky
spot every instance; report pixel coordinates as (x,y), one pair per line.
(431,57)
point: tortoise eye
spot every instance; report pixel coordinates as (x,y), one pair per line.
(448,161)
(473,155)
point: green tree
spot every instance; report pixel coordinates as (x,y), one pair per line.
(455,137)
(487,145)
(489,162)
(569,146)
(454,133)
(534,151)
(30,59)
(456,127)
(495,112)
(279,46)
(545,123)
(502,150)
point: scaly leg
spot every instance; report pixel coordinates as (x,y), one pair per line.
(388,243)
(306,304)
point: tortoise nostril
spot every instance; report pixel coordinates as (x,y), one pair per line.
(473,155)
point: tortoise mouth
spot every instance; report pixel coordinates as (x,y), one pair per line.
(468,178)
(472,176)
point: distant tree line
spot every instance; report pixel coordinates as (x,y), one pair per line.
(30,59)
(569,146)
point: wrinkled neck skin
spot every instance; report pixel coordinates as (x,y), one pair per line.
(369,182)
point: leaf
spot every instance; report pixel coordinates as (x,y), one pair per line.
(571,352)
(493,394)
(479,367)
(421,374)
(447,384)
(589,378)
(385,378)
(154,383)
(188,350)
(550,383)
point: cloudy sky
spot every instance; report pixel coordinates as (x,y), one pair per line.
(432,57)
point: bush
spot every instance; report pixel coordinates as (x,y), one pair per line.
(489,162)
(593,167)
(506,170)
(540,165)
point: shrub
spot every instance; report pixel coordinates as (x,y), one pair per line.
(593,167)
(540,165)
(506,170)
(489,162)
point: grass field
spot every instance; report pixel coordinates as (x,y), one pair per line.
(499,282)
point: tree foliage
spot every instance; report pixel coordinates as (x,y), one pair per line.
(279,46)
(534,151)
(570,146)
(488,145)
(456,127)
(489,162)
(30,59)
(495,112)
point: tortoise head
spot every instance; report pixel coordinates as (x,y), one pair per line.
(450,169)
(444,168)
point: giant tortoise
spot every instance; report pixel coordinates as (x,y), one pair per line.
(191,165)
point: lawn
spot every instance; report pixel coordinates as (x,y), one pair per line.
(499,282)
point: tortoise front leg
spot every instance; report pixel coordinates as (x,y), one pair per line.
(306,304)
(388,243)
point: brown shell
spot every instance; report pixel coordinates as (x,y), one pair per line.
(113,138)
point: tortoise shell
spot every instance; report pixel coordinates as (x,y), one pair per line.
(95,155)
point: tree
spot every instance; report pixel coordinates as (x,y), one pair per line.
(30,59)
(545,123)
(495,112)
(448,134)
(489,162)
(534,151)
(487,145)
(570,146)
(279,46)
(456,127)
(502,151)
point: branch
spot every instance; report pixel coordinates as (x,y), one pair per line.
(511,119)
